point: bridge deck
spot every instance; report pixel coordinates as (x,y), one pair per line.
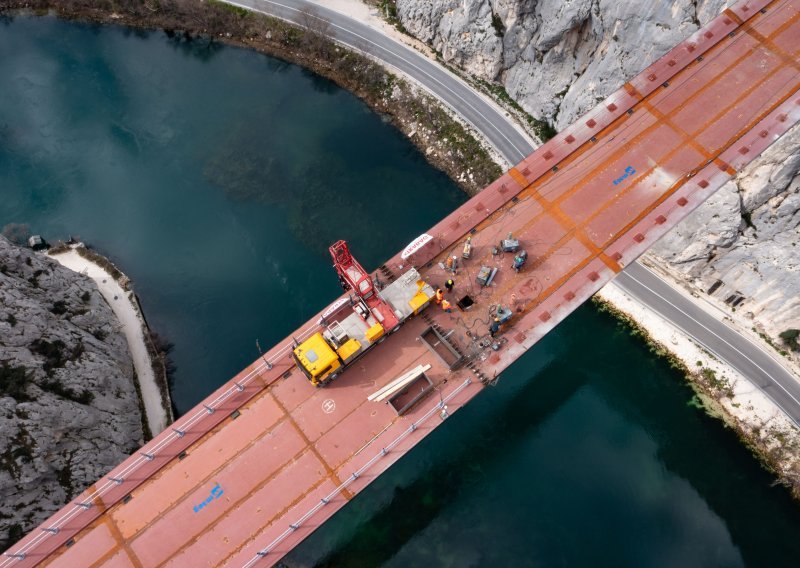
(267,458)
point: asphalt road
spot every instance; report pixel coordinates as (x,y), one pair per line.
(498,128)
(761,367)
(488,119)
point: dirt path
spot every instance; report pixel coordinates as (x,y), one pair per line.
(133,325)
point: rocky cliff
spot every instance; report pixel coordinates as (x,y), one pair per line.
(559,58)
(69,410)
(556,58)
(742,245)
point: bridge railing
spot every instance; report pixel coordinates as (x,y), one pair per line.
(439,408)
(160,447)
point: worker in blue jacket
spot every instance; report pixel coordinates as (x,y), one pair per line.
(494,327)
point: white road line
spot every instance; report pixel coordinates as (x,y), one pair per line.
(775,381)
(491,123)
(522,154)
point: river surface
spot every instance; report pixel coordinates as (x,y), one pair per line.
(216,178)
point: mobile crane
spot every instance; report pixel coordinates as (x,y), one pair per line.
(349,333)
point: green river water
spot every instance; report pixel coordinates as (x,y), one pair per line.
(216,178)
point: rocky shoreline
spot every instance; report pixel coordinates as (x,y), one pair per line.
(150,353)
(722,392)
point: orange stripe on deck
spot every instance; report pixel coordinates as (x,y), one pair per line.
(667,120)
(122,544)
(770,44)
(732,15)
(577,231)
(725,166)
(631,90)
(518,177)
(346,493)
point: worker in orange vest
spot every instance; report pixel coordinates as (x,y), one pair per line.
(439,296)
(447,306)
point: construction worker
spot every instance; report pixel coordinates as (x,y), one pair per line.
(447,306)
(494,327)
(519,260)
(449,284)
(439,296)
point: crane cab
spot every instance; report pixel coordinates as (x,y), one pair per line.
(317,359)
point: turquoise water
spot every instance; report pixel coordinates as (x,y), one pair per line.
(216,178)
(587,453)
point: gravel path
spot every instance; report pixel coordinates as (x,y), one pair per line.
(132,326)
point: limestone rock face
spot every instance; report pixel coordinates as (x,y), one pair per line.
(556,58)
(69,410)
(747,238)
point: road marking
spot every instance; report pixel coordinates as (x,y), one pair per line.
(522,154)
(328,405)
(775,381)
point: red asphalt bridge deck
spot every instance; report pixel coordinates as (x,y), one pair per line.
(267,458)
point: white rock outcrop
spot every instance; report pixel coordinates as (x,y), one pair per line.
(69,411)
(743,244)
(559,58)
(556,58)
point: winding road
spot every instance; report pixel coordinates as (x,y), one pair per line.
(499,129)
(762,368)
(492,122)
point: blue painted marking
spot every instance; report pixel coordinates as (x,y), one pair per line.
(216,493)
(629,171)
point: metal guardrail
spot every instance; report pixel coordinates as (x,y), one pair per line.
(439,407)
(149,454)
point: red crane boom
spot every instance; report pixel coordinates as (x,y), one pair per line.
(353,276)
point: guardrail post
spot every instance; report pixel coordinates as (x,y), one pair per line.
(269,365)
(355,475)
